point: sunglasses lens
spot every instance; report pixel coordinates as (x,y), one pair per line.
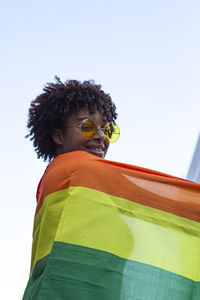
(88,128)
(112,132)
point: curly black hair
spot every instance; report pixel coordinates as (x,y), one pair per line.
(49,111)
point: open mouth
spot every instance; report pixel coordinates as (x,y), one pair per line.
(95,150)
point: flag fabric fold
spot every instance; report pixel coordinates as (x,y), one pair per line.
(112,231)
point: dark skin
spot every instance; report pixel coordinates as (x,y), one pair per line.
(71,138)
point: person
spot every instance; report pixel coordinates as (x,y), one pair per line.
(66,118)
(72,116)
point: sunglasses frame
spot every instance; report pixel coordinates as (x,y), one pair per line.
(96,129)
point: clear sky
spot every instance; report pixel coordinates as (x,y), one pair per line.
(145,53)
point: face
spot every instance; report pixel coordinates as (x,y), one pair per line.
(71,139)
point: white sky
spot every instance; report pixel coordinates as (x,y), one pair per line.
(145,53)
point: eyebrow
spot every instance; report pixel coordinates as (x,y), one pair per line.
(89,117)
(83,118)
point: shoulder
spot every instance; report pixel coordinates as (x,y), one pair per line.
(64,170)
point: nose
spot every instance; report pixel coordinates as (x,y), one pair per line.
(99,134)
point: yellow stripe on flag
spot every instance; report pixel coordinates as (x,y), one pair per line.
(87,217)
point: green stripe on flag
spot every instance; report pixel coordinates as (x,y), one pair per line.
(75,272)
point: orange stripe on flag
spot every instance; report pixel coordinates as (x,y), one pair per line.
(150,188)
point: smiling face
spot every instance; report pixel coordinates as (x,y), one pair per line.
(71,138)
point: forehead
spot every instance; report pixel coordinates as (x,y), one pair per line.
(84,114)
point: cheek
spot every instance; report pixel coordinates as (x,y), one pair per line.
(75,141)
(70,141)
(107,144)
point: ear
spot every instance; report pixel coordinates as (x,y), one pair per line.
(58,137)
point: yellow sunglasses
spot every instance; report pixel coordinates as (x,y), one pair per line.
(89,129)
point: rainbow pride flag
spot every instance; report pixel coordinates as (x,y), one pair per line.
(110,231)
